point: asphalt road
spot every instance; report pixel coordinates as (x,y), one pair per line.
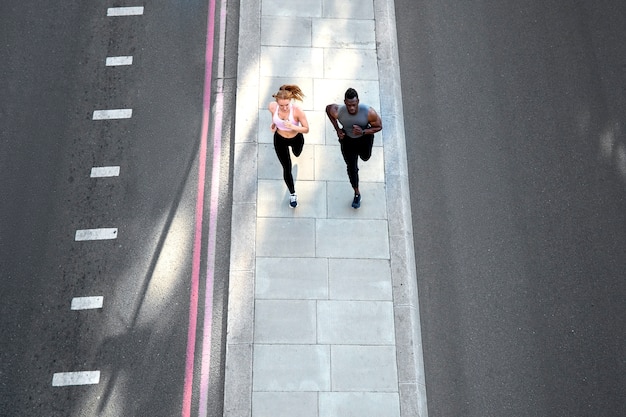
(515,115)
(53,77)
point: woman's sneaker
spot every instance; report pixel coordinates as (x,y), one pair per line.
(356,203)
(293,200)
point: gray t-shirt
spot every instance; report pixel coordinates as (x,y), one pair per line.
(348,120)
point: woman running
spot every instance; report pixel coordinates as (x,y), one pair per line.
(288,124)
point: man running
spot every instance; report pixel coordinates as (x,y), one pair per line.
(355,124)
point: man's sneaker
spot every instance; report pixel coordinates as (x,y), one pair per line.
(293,200)
(356,203)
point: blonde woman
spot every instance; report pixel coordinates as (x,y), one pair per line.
(288,124)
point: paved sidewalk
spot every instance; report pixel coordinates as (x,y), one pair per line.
(323,317)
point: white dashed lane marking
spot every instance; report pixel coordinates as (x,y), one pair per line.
(87,303)
(96,234)
(114,61)
(101,172)
(112,114)
(124,11)
(64,379)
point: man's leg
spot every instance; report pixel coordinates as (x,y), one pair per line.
(366,143)
(350,152)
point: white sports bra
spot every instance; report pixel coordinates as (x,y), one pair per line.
(280,123)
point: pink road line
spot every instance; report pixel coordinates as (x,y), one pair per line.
(211,251)
(197,247)
(208,300)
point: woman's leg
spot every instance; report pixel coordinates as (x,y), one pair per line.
(297,143)
(282,151)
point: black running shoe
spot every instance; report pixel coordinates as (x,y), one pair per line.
(356,203)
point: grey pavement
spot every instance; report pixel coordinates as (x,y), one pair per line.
(323,316)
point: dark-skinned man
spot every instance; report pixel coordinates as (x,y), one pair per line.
(355,124)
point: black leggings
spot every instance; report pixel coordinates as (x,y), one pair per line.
(352,149)
(281,146)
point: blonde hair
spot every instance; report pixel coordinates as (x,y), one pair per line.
(289,91)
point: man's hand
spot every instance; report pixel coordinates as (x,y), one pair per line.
(357,131)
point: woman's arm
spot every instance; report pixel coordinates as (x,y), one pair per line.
(272,108)
(300,117)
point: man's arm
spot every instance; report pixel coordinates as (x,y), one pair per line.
(332,111)
(376,125)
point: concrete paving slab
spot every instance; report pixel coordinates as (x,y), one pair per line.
(330,165)
(331,137)
(317,128)
(359,279)
(247,96)
(406,331)
(345,238)
(374,169)
(238,380)
(285,321)
(412,399)
(344,33)
(240,325)
(348,9)
(243,237)
(292,61)
(265,135)
(285,237)
(342,63)
(364,368)
(268,164)
(244,184)
(291,368)
(300,8)
(274,199)
(286,31)
(359,404)
(292,278)
(355,322)
(285,404)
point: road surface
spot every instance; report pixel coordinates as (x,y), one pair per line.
(515,115)
(96,265)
